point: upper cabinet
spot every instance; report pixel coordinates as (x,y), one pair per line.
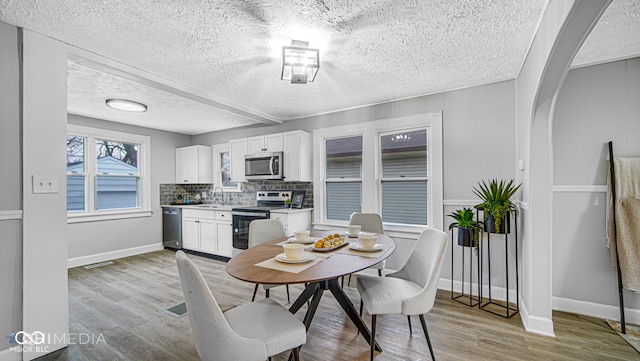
(297,156)
(265,143)
(237,151)
(194,164)
(295,145)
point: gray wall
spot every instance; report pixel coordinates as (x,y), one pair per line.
(597,104)
(478,141)
(90,238)
(10,179)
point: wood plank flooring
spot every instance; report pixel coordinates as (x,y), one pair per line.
(124,303)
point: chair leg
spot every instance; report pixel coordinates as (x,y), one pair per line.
(296,353)
(426,333)
(255,289)
(349,281)
(379,273)
(288,297)
(410,330)
(266,293)
(373,337)
(361,304)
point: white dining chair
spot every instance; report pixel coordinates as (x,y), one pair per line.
(369,222)
(264,230)
(253,331)
(411,290)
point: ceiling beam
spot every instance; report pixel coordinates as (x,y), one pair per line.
(94,61)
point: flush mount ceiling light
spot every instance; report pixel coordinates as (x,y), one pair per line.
(300,63)
(126,105)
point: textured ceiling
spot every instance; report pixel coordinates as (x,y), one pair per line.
(216,64)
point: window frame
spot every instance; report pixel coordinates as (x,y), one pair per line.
(218,149)
(372,163)
(90,214)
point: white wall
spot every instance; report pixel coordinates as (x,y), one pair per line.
(44,112)
(91,242)
(597,104)
(11,180)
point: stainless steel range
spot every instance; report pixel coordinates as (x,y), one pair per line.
(242,216)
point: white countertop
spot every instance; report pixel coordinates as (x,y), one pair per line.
(226,207)
(291,210)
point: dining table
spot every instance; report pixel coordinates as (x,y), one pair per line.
(258,265)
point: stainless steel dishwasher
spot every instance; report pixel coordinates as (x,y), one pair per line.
(172,227)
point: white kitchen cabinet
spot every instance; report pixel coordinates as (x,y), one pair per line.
(293,219)
(237,151)
(297,156)
(265,143)
(207,231)
(194,164)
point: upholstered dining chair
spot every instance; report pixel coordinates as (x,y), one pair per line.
(253,331)
(369,222)
(411,290)
(264,230)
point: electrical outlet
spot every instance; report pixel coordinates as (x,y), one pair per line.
(44,184)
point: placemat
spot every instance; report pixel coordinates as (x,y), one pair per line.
(375,254)
(292,267)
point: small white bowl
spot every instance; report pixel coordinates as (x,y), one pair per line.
(367,240)
(302,235)
(293,250)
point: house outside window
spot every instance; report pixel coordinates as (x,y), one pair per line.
(222,169)
(107,174)
(392,167)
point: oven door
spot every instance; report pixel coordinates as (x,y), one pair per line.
(241,222)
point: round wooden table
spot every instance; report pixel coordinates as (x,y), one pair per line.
(319,277)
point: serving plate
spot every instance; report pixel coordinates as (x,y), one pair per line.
(307,241)
(306,257)
(329,249)
(358,247)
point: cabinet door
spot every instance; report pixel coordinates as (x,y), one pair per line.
(190,234)
(186,165)
(297,156)
(237,151)
(256,145)
(224,238)
(273,142)
(207,236)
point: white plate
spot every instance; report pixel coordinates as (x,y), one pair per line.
(307,241)
(306,257)
(358,247)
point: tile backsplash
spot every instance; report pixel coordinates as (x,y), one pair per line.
(169,192)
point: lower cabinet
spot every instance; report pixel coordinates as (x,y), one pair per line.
(293,219)
(205,231)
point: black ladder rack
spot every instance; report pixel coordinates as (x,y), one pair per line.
(615,235)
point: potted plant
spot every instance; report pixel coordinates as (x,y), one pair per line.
(496,203)
(467,227)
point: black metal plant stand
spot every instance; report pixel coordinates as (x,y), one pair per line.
(466,299)
(490,305)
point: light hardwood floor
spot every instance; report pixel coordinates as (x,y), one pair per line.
(124,303)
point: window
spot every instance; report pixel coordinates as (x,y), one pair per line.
(403,178)
(222,169)
(392,167)
(107,174)
(343,179)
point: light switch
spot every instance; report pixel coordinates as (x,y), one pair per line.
(44,184)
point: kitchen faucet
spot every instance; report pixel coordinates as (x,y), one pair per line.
(222,201)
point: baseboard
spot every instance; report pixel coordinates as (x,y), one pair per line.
(101,257)
(535,324)
(497,293)
(607,312)
(8,355)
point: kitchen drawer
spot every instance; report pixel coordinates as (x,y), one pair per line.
(282,217)
(223,215)
(199,213)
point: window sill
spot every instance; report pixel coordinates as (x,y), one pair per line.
(389,230)
(107,215)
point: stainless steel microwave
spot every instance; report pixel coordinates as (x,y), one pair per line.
(263,166)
